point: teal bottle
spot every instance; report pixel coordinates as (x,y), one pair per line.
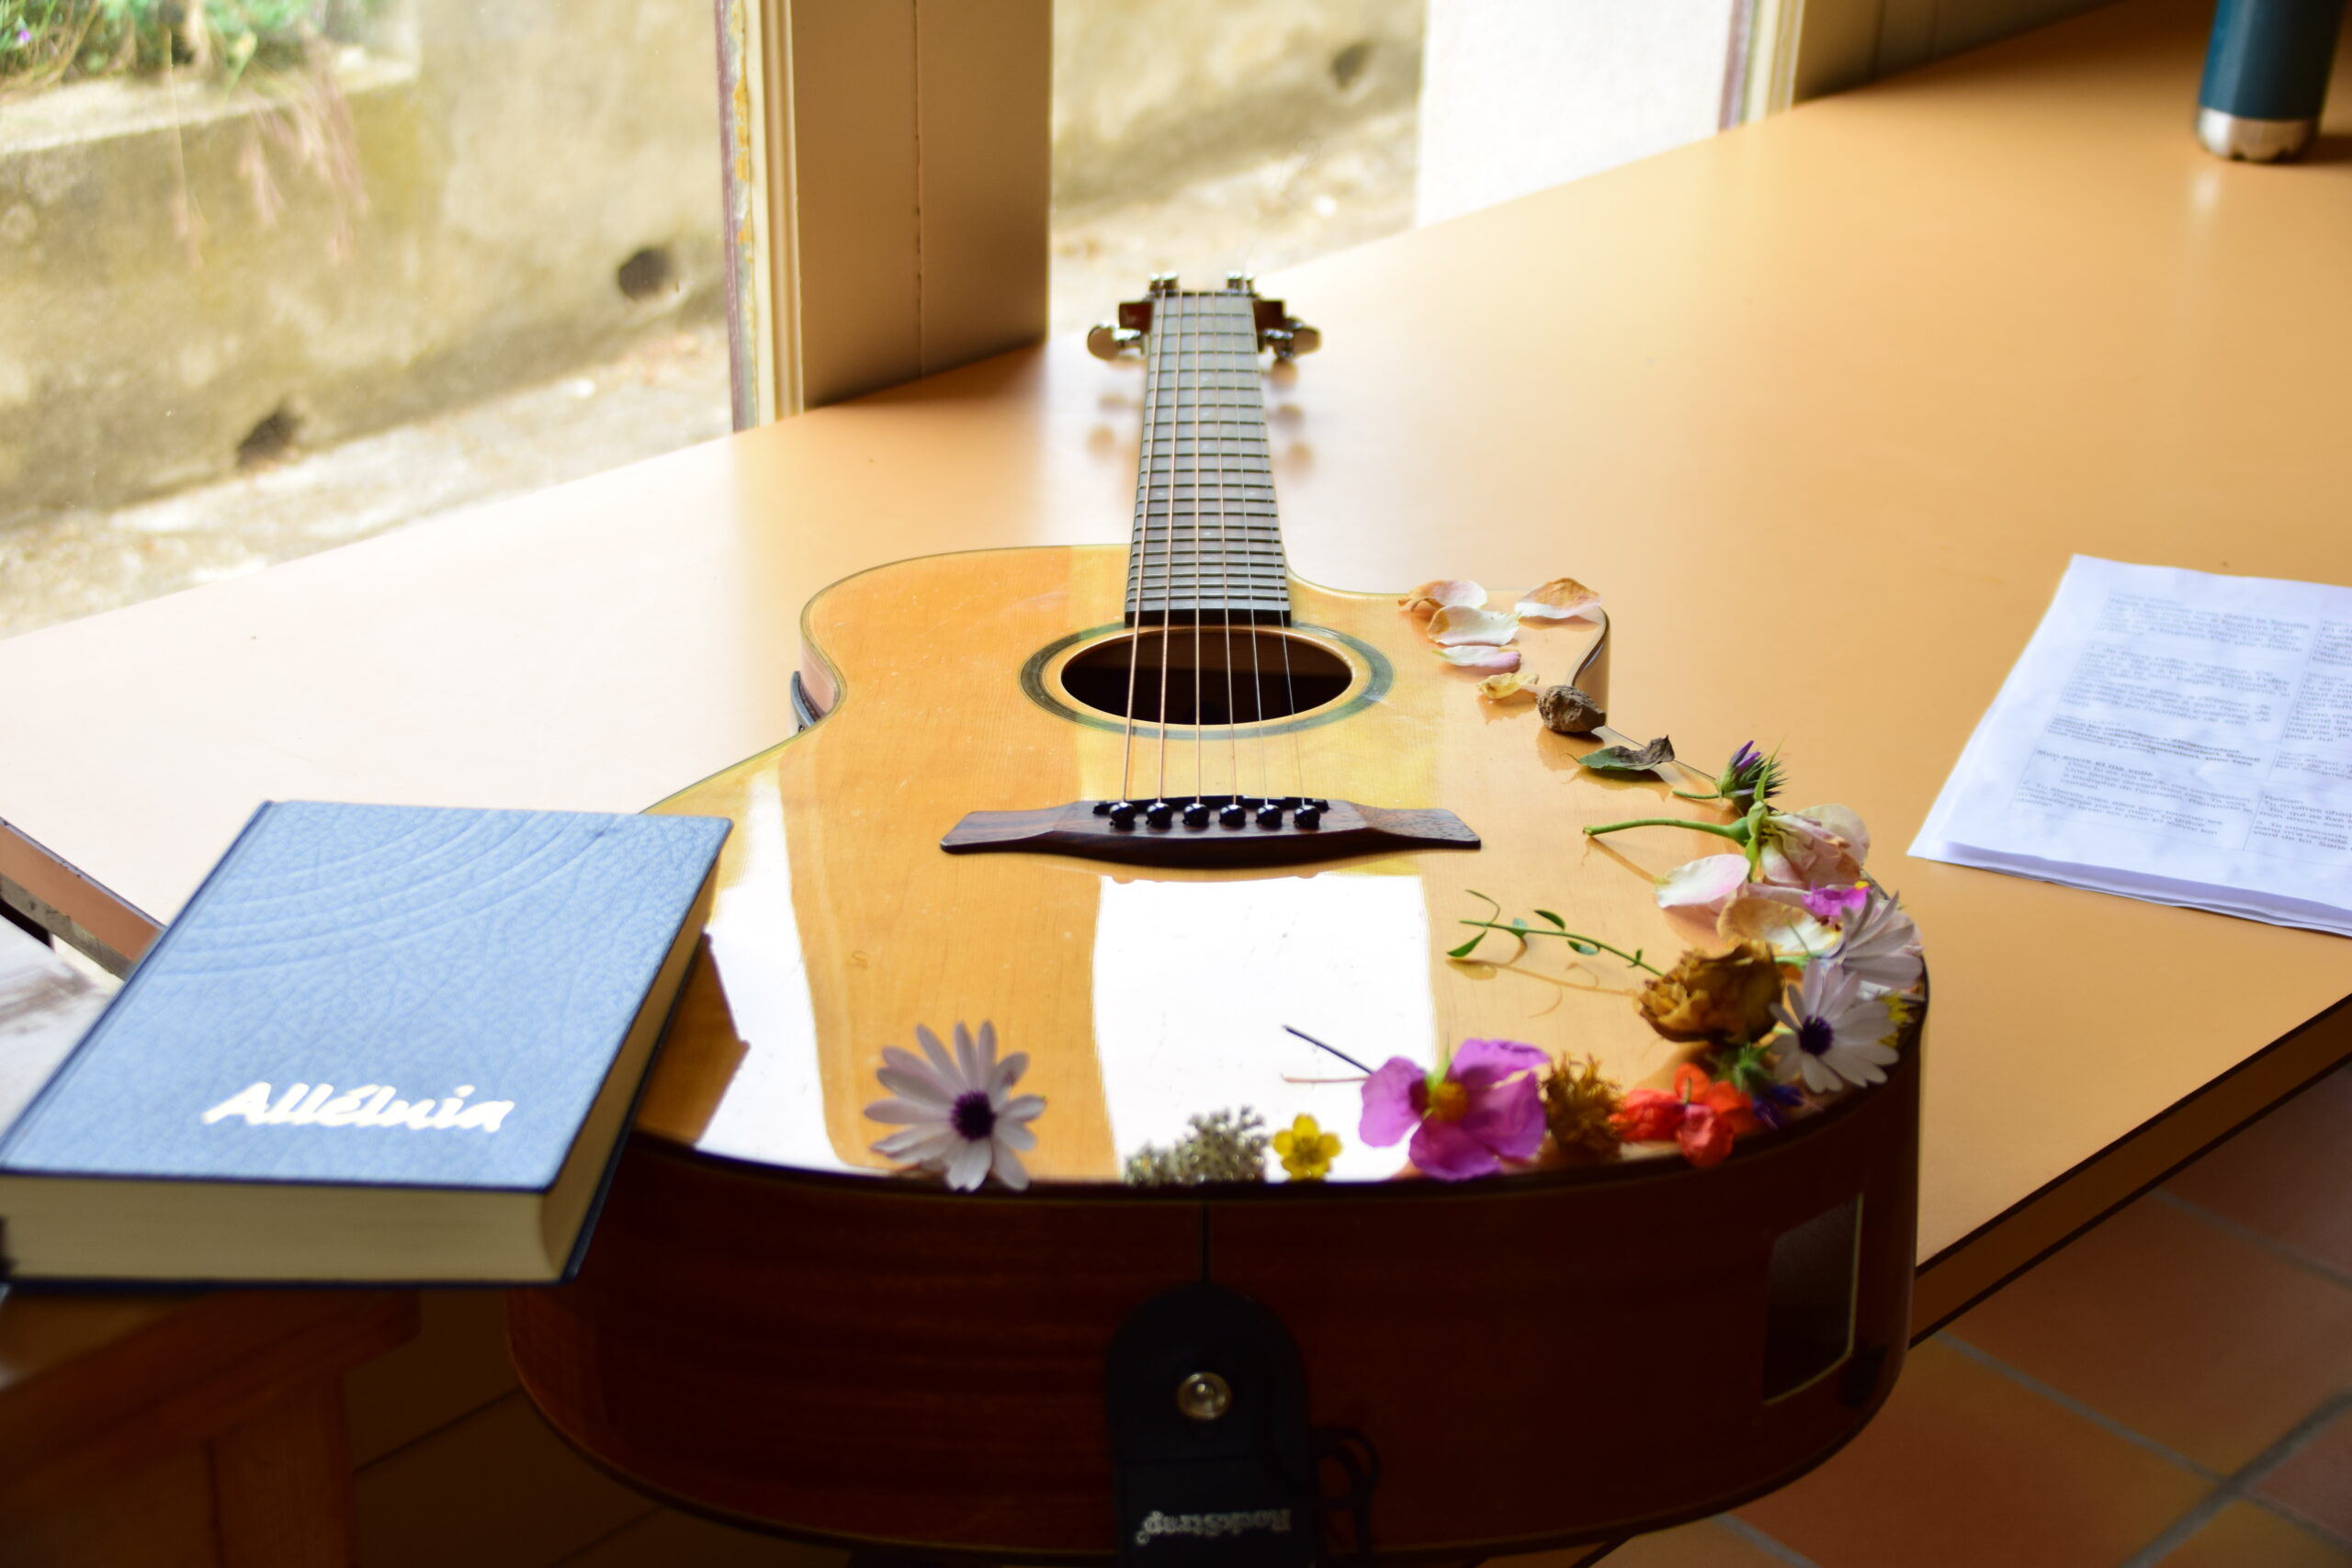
(2265,77)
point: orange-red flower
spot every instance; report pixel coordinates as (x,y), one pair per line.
(1701,1116)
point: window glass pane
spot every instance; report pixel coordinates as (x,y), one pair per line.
(276,274)
(1255,133)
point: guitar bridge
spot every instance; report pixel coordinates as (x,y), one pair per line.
(1210,830)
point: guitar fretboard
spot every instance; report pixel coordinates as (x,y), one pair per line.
(1206,543)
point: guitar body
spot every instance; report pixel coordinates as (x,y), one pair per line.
(775,1327)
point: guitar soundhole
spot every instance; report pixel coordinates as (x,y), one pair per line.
(1235,675)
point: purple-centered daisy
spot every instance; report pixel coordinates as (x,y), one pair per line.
(1836,1031)
(1879,945)
(957,1113)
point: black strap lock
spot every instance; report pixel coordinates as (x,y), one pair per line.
(1209,1437)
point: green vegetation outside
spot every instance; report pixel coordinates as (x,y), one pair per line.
(44,42)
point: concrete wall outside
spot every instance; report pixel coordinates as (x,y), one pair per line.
(1149,95)
(506,160)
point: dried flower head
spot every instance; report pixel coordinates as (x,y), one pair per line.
(1223,1146)
(1569,710)
(1722,995)
(1577,1105)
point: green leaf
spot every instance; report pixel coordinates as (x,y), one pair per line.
(1627,761)
(1584,947)
(1556,920)
(1467,947)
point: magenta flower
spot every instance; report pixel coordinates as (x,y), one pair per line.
(1835,903)
(1466,1117)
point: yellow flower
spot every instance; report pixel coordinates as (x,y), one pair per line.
(1306,1150)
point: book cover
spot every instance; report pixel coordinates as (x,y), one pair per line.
(368,1000)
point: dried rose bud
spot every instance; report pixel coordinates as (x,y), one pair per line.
(1715,996)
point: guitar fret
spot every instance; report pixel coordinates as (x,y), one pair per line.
(1206,538)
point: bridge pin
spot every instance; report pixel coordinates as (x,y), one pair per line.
(1234,816)
(1196,815)
(1307,815)
(1270,815)
(1160,814)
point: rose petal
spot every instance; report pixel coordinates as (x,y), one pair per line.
(1501,688)
(1754,912)
(1472,656)
(1563,598)
(1459,624)
(1701,884)
(1446,591)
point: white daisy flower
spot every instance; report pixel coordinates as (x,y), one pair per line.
(958,1115)
(1837,1033)
(1880,945)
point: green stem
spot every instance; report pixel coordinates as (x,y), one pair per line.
(1735,831)
(1686,794)
(1632,958)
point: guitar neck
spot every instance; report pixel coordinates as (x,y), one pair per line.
(1208,546)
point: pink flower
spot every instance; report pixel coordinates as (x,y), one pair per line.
(1822,846)
(1835,903)
(1480,1108)
(1702,883)
(1819,844)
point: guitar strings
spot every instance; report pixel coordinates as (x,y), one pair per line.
(1168,551)
(1257,672)
(1225,591)
(1283,623)
(1200,605)
(1140,559)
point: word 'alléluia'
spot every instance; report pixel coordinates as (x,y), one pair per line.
(370,1105)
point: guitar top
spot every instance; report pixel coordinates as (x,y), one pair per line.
(1144,811)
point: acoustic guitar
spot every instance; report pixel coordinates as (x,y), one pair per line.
(1145,812)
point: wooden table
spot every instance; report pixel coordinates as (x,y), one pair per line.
(1822,406)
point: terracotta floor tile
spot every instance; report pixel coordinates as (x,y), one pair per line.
(2244,1536)
(1703,1545)
(2210,1344)
(2289,1174)
(2316,1483)
(1965,1469)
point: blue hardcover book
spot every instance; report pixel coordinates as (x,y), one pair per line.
(381,1044)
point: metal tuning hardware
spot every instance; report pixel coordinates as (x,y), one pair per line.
(1105,340)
